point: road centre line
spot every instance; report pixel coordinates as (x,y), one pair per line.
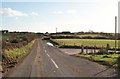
(52,60)
(54,63)
(48,55)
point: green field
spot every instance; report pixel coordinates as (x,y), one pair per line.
(86,42)
(91,35)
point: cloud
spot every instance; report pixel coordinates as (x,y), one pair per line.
(12,12)
(58,12)
(71,11)
(34,13)
(1,12)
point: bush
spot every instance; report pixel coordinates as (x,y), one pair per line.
(65,37)
(87,37)
(100,37)
(106,56)
(24,38)
(14,41)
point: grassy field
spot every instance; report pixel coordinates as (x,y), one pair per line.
(86,42)
(108,58)
(92,35)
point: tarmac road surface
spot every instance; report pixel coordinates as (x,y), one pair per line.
(49,61)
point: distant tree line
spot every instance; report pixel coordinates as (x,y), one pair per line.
(84,37)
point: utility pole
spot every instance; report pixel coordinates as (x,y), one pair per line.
(56,29)
(115,33)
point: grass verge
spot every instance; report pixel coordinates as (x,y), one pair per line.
(106,59)
(14,56)
(53,42)
(18,53)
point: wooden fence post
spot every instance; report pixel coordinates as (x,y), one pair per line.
(82,48)
(107,48)
(86,50)
(94,48)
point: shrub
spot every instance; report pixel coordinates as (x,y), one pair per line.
(24,38)
(100,37)
(87,37)
(14,41)
(106,56)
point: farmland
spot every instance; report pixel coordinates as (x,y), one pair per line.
(104,58)
(86,42)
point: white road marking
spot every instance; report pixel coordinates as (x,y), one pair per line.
(54,63)
(45,51)
(48,55)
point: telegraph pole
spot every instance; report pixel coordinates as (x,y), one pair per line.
(56,29)
(115,33)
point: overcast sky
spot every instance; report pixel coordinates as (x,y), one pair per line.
(45,16)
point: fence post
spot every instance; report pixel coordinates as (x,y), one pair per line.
(107,48)
(82,48)
(86,50)
(94,48)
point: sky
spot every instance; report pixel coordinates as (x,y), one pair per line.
(46,16)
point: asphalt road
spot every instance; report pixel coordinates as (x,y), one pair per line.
(48,61)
